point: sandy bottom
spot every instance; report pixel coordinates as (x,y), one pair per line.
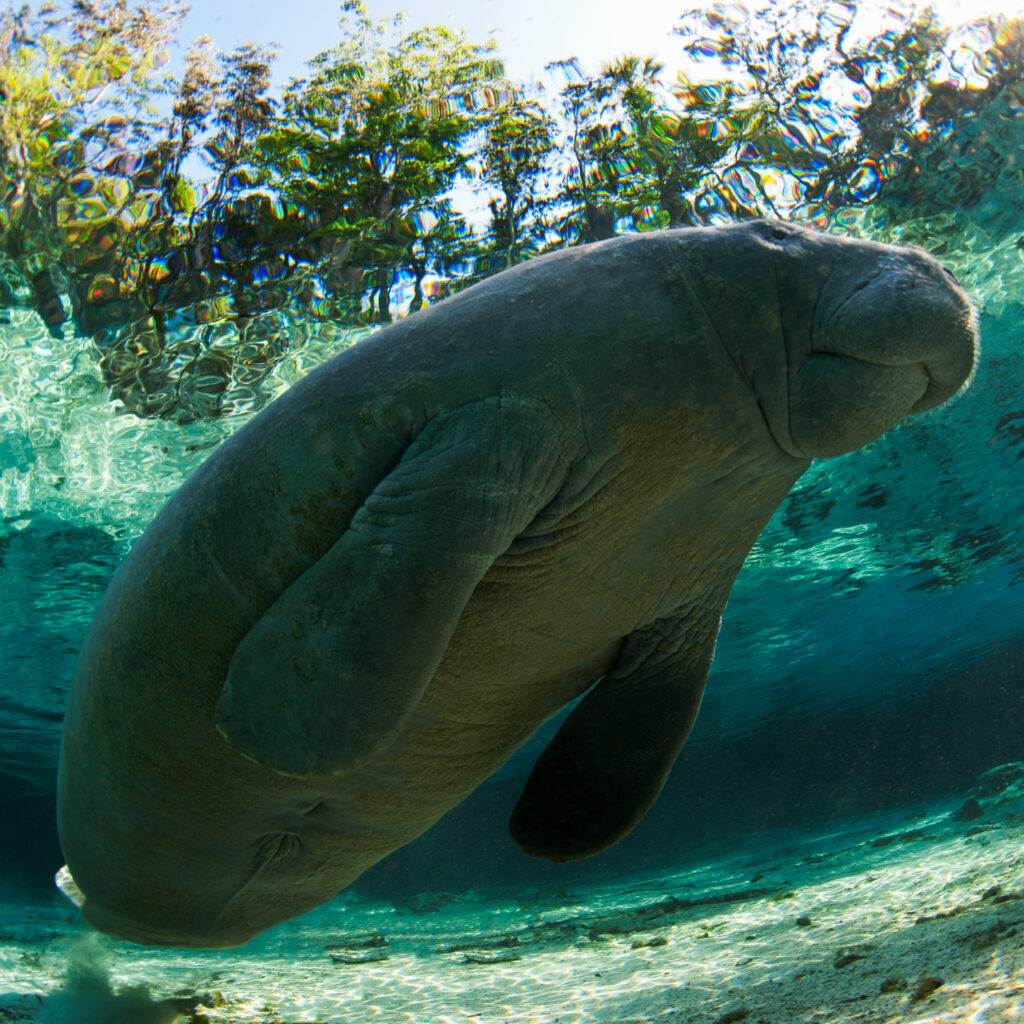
(916,919)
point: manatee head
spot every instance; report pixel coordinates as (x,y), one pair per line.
(871,334)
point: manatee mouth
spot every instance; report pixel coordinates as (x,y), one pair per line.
(942,340)
(939,384)
(840,403)
(891,335)
(939,390)
(947,372)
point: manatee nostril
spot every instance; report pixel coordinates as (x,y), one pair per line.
(952,276)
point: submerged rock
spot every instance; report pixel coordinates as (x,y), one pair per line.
(490,956)
(367,940)
(487,943)
(733,1017)
(969,810)
(893,985)
(431,902)
(367,948)
(997,780)
(925,987)
(851,954)
(362,956)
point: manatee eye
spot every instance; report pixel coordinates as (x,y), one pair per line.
(779,232)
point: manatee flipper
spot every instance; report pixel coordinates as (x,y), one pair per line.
(332,671)
(609,760)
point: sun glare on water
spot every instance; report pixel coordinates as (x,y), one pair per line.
(958,11)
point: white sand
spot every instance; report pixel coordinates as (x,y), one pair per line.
(928,927)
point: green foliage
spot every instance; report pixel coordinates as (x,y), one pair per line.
(154,209)
(75,84)
(645,152)
(242,113)
(371,142)
(519,140)
(843,120)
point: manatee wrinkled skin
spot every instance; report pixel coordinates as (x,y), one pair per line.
(369,597)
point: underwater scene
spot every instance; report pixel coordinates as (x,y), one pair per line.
(431,419)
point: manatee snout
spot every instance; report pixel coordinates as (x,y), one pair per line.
(911,311)
(895,336)
(950,357)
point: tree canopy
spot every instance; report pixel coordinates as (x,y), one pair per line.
(183,222)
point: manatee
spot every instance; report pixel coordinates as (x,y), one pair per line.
(378,589)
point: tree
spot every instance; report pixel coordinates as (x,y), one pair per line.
(518,142)
(587,205)
(836,115)
(374,139)
(639,151)
(77,82)
(319,206)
